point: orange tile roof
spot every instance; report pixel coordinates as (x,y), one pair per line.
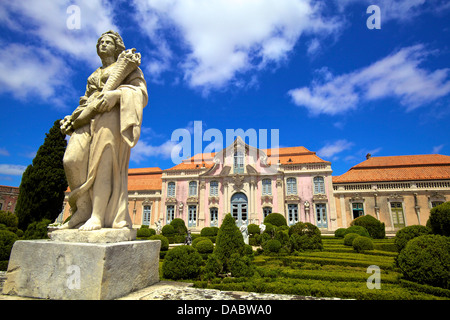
(144,179)
(290,155)
(398,168)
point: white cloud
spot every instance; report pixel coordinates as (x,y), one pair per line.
(12,169)
(332,149)
(398,75)
(4,152)
(144,150)
(438,149)
(227,38)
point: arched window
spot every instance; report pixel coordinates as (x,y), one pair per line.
(239,162)
(267,187)
(319,185)
(192,189)
(214,188)
(291,186)
(171,189)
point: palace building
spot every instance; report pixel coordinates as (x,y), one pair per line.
(250,183)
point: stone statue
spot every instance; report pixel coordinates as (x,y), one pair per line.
(104,128)
(244,231)
(158,226)
(188,239)
(262,227)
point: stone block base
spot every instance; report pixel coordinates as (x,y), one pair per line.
(81,271)
(104,235)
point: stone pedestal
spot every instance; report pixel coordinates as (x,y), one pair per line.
(52,269)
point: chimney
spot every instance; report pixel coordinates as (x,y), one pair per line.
(368,156)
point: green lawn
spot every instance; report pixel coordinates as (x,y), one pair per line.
(337,271)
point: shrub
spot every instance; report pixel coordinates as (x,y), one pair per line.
(253,229)
(212,268)
(439,220)
(426,260)
(349,237)
(9,219)
(340,233)
(37,230)
(198,239)
(229,241)
(361,244)
(282,236)
(183,262)
(270,230)
(241,266)
(374,227)
(305,236)
(179,226)
(272,246)
(358,230)
(275,219)
(168,230)
(209,232)
(7,239)
(164,241)
(145,232)
(407,233)
(205,246)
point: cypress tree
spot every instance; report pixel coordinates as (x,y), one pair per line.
(229,241)
(41,191)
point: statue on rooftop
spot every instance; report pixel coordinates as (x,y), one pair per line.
(103,129)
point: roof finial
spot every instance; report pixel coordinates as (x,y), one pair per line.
(368,156)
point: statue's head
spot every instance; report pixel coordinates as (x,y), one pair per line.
(116,38)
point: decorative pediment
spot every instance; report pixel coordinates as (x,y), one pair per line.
(357,198)
(192,200)
(293,198)
(266,199)
(213,199)
(171,200)
(395,197)
(320,198)
(436,196)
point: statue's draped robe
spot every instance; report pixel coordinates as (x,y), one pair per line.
(115,132)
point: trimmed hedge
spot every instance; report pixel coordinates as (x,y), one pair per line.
(426,260)
(145,232)
(205,246)
(179,226)
(275,219)
(272,246)
(361,244)
(374,227)
(305,236)
(164,241)
(349,237)
(7,239)
(228,242)
(183,262)
(407,233)
(340,233)
(168,230)
(357,229)
(439,220)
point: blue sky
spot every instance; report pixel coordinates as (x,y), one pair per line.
(311,69)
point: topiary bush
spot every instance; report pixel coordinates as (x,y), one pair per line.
(439,220)
(205,246)
(374,227)
(10,220)
(358,230)
(164,241)
(340,233)
(145,232)
(196,240)
(253,229)
(168,230)
(7,239)
(183,262)
(272,246)
(179,226)
(212,268)
(349,237)
(209,231)
(305,236)
(361,244)
(275,219)
(229,241)
(407,233)
(426,260)
(241,266)
(37,230)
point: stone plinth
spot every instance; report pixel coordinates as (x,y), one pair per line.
(88,271)
(105,235)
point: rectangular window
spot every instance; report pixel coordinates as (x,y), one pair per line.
(293,214)
(436,203)
(170,214)
(398,218)
(214,189)
(267,211)
(291,186)
(146,215)
(171,189)
(192,189)
(239,162)
(321,215)
(319,185)
(214,216)
(358,210)
(267,187)
(192,216)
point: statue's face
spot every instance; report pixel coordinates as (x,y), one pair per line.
(106,47)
